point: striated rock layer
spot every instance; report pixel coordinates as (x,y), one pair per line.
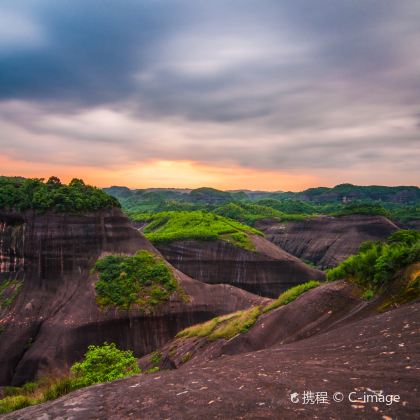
(267,271)
(326,241)
(54,317)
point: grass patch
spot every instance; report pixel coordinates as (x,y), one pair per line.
(156,358)
(185,357)
(368,294)
(9,291)
(143,280)
(226,326)
(230,325)
(291,294)
(173,226)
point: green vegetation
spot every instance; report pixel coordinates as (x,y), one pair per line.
(363,208)
(22,194)
(377,262)
(291,294)
(105,363)
(250,213)
(228,326)
(368,294)
(156,358)
(289,206)
(185,357)
(100,364)
(407,289)
(143,280)
(339,193)
(9,291)
(399,203)
(197,225)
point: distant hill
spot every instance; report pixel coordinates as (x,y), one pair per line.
(349,192)
(398,203)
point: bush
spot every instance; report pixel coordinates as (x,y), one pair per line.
(143,279)
(377,262)
(100,364)
(105,363)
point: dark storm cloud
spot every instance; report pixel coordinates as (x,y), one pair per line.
(271,84)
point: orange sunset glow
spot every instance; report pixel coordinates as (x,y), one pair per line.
(176,174)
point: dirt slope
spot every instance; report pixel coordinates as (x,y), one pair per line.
(326,241)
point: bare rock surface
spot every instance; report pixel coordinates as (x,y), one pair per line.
(266,271)
(378,353)
(55,316)
(326,241)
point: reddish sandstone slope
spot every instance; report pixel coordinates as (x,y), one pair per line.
(55,316)
(374,353)
(325,240)
(266,271)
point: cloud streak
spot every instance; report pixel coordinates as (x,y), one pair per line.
(326,89)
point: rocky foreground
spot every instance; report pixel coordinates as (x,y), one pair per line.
(379,353)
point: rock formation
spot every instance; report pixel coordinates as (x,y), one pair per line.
(340,347)
(266,271)
(324,240)
(48,312)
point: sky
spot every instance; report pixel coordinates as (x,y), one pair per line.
(255,94)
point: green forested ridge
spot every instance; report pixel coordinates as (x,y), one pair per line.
(197,225)
(33,193)
(401,204)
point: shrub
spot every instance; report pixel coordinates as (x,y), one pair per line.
(377,262)
(100,364)
(105,363)
(291,294)
(143,279)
